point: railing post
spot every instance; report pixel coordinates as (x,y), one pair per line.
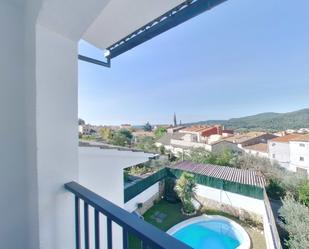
(109,233)
(86,225)
(77,223)
(125,238)
(97,229)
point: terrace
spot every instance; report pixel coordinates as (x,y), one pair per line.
(46,205)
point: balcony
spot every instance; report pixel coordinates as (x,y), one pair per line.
(150,236)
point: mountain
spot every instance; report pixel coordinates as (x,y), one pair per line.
(269,121)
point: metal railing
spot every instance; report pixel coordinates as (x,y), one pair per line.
(272,223)
(150,236)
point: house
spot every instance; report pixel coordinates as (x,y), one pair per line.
(260,149)
(250,138)
(180,142)
(126,126)
(290,151)
(203,133)
(299,154)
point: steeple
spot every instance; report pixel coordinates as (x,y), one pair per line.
(175,120)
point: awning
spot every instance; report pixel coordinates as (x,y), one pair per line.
(122,17)
(124,24)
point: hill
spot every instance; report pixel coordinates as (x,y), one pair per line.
(269,121)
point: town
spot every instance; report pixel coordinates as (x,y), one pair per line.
(289,148)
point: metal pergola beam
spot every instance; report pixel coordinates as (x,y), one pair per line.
(95,61)
(170,19)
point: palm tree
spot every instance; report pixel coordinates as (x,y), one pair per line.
(185,188)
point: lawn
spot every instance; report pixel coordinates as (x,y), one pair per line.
(173,215)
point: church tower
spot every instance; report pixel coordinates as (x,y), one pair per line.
(175,120)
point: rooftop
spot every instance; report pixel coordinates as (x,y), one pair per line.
(166,139)
(261,147)
(303,138)
(240,138)
(249,177)
(290,137)
(198,128)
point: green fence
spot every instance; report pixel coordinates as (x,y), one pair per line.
(138,187)
(234,187)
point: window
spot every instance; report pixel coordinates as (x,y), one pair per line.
(274,155)
(301,159)
(302,145)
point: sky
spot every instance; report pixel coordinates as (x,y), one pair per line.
(241,58)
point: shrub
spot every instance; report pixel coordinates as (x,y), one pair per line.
(185,188)
(296,217)
(304,194)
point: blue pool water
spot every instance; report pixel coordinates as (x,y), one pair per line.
(214,234)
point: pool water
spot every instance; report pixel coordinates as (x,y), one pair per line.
(215,234)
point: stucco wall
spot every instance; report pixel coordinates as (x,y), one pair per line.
(297,151)
(147,197)
(281,152)
(239,201)
(14,189)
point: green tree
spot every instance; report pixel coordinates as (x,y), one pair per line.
(146,143)
(106,133)
(185,188)
(225,158)
(147,127)
(304,194)
(160,132)
(122,138)
(128,134)
(296,217)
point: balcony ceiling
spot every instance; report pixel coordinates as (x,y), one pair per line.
(122,17)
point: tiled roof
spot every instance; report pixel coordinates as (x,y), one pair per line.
(262,147)
(166,139)
(302,138)
(243,176)
(288,138)
(244,137)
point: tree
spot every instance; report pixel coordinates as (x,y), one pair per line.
(128,134)
(185,189)
(225,158)
(106,133)
(296,218)
(122,138)
(147,127)
(81,121)
(146,143)
(304,194)
(160,132)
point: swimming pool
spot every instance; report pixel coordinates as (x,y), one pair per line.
(211,232)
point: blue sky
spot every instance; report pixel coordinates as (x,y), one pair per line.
(241,58)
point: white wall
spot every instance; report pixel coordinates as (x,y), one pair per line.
(146,195)
(57,141)
(239,201)
(256,153)
(297,151)
(281,152)
(14,188)
(101,170)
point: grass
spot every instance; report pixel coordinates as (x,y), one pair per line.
(174,216)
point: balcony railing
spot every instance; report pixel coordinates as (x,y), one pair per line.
(150,236)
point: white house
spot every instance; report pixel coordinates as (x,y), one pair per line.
(290,151)
(299,154)
(260,149)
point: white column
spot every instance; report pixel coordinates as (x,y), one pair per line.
(57,136)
